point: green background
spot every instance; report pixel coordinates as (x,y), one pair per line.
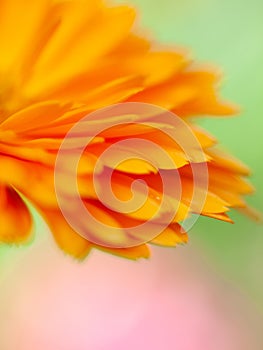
(228,33)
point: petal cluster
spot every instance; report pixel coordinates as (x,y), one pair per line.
(60,61)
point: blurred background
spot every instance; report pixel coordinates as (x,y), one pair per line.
(207,295)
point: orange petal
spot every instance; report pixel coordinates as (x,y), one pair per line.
(252,213)
(133,253)
(34,117)
(226,161)
(227,180)
(173,235)
(219,216)
(205,100)
(89,37)
(158,66)
(33,180)
(168,95)
(15,219)
(77,246)
(206,140)
(67,239)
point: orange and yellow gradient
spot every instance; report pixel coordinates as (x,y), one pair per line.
(70,59)
(205,295)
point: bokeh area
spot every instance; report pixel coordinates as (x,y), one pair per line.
(228,34)
(206,295)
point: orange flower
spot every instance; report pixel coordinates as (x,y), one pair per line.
(61,60)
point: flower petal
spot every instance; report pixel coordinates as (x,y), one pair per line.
(67,239)
(15,219)
(172,235)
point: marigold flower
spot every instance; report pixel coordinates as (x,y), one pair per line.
(61,60)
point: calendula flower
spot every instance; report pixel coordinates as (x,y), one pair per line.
(61,60)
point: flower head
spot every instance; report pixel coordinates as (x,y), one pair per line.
(61,61)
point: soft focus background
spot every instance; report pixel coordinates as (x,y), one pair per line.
(207,295)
